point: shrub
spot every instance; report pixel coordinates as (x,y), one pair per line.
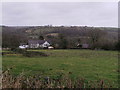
(25,53)
(21,81)
(117,46)
(18,50)
(5,53)
(33,54)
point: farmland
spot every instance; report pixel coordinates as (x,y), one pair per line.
(89,64)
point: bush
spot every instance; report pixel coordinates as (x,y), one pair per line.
(26,53)
(117,46)
(5,53)
(33,54)
(17,50)
(36,81)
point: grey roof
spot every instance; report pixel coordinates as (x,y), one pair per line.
(37,41)
(23,43)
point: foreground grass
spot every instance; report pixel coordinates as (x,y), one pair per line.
(88,64)
(36,81)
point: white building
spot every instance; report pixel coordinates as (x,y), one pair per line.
(38,44)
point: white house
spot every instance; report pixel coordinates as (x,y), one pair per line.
(23,46)
(50,47)
(45,44)
(38,44)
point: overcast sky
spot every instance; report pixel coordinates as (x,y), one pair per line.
(103,14)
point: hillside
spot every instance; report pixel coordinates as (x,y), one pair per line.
(72,33)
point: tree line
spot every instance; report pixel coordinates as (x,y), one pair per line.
(62,37)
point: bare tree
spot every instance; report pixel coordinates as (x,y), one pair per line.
(95,35)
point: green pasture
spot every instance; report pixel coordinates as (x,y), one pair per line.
(88,64)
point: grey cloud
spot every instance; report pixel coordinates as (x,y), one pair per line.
(66,13)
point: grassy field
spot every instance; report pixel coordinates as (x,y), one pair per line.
(88,64)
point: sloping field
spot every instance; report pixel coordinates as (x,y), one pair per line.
(88,64)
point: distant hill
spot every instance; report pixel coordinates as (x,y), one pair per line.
(44,30)
(52,32)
